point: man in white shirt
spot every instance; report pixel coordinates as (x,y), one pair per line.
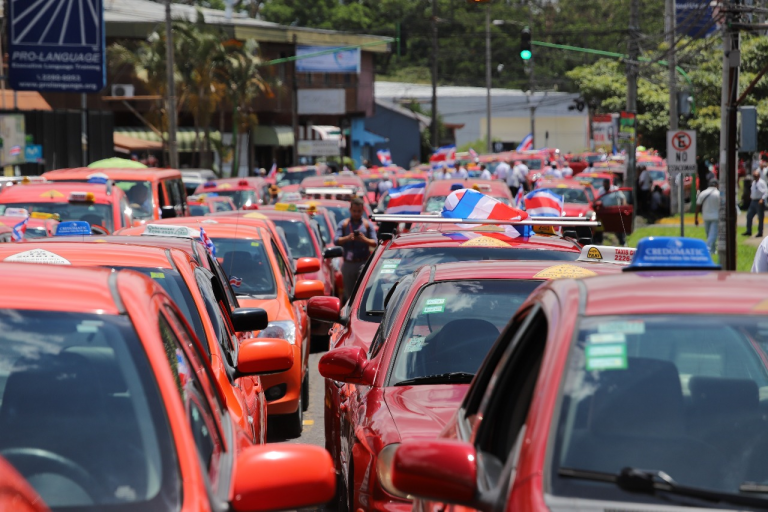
(513,180)
(441,173)
(462,172)
(607,187)
(554,171)
(567,171)
(384,185)
(708,203)
(502,170)
(645,184)
(485,174)
(757,197)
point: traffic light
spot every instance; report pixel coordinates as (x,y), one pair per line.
(525,44)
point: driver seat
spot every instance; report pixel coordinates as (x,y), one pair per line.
(439,355)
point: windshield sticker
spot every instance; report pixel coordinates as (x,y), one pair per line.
(255,244)
(604,356)
(565,272)
(38,256)
(86,329)
(52,194)
(608,337)
(415,344)
(157,275)
(485,241)
(434,306)
(633,327)
(387,271)
(254,215)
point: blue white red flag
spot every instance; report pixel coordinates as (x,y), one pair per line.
(385,157)
(236,281)
(207,242)
(471,204)
(473,153)
(445,154)
(406,200)
(18,231)
(526,144)
(544,203)
(273,171)
(520,198)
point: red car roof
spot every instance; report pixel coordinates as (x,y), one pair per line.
(322,181)
(441,239)
(521,270)
(82,173)
(55,192)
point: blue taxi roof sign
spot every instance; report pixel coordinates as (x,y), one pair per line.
(671,253)
(73,228)
(98,178)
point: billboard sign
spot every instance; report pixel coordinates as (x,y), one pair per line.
(318,148)
(56,45)
(603,132)
(696,18)
(343,61)
(322,101)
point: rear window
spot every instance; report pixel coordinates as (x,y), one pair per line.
(197,210)
(247,266)
(298,237)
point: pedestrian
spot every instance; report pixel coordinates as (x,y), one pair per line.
(760,263)
(553,171)
(708,203)
(462,172)
(644,186)
(274,194)
(384,185)
(356,236)
(702,172)
(513,180)
(414,162)
(657,202)
(607,187)
(590,166)
(485,174)
(567,171)
(364,166)
(502,170)
(757,195)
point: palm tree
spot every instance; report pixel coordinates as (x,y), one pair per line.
(240,74)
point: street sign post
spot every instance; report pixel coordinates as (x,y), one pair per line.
(681,159)
(56,46)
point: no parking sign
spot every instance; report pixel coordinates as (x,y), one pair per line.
(681,151)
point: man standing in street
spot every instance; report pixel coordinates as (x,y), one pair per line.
(356,236)
(485,174)
(513,180)
(383,186)
(708,203)
(757,195)
(645,184)
(502,171)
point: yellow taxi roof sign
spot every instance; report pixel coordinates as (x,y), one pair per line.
(607,254)
(565,271)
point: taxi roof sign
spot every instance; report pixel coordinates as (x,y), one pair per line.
(339,191)
(16,212)
(607,254)
(672,253)
(73,228)
(171,231)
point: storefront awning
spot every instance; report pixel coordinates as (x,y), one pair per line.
(273,136)
(185,137)
(127,144)
(327,132)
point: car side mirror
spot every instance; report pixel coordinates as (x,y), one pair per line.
(346,364)
(249,319)
(262,356)
(167,212)
(444,471)
(307,265)
(324,308)
(598,205)
(333,252)
(304,290)
(281,469)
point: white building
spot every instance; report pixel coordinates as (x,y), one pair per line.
(555,125)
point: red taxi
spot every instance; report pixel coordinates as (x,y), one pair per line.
(108,403)
(578,197)
(103,206)
(195,293)
(596,179)
(438,327)
(356,324)
(246,193)
(204,204)
(438,191)
(290,178)
(372,180)
(650,403)
(15,492)
(152,193)
(262,279)
(39,225)
(353,182)
(581,161)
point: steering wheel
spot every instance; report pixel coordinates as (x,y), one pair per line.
(35,461)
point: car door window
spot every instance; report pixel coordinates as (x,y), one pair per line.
(285,270)
(614,199)
(212,307)
(189,381)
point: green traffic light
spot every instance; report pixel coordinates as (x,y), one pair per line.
(526,54)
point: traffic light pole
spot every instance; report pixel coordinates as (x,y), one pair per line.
(632,72)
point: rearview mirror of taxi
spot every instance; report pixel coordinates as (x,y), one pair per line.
(267,478)
(307,289)
(444,471)
(333,252)
(346,364)
(324,308)
(249,319)
(262,356)
(307,265)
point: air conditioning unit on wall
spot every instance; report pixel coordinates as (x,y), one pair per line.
(122,90)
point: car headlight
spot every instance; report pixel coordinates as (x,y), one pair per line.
(384,470)
(591,215)
(283,329)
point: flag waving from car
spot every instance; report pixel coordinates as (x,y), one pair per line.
(385,157)
(273,171)
(471,204)
(544,203)
(406,200)
(18,231)
(526,144)
(207,242)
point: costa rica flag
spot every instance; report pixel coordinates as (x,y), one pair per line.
(406,200)
(526,144)
(544,203)
(471,204)
(207,242)
(18,231)
(385,157)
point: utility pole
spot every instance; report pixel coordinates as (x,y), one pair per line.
(488,83)
(295,110)
(435,142)
(531,81)
(677,185)
(173,154)
(632,71)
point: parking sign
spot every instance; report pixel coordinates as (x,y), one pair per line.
(681,151)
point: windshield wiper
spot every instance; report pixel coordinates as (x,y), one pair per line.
(645,481)
(441,378)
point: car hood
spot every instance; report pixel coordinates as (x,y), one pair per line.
(574,209)
(421,412)
(271,306)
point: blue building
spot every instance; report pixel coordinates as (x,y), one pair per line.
(392,127)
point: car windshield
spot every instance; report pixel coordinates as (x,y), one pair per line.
(139,193)
(372,184)
(298,238)
(247,266)
(221,206)
(397,263)
(81,415)
(435,204)
(453,325)
(94,214)
(295,177)
(174,285)
(658,175)
(409,181)
(533,165)
(685,395)
(241,198)
(571,195)
(198,210)
(594,158)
